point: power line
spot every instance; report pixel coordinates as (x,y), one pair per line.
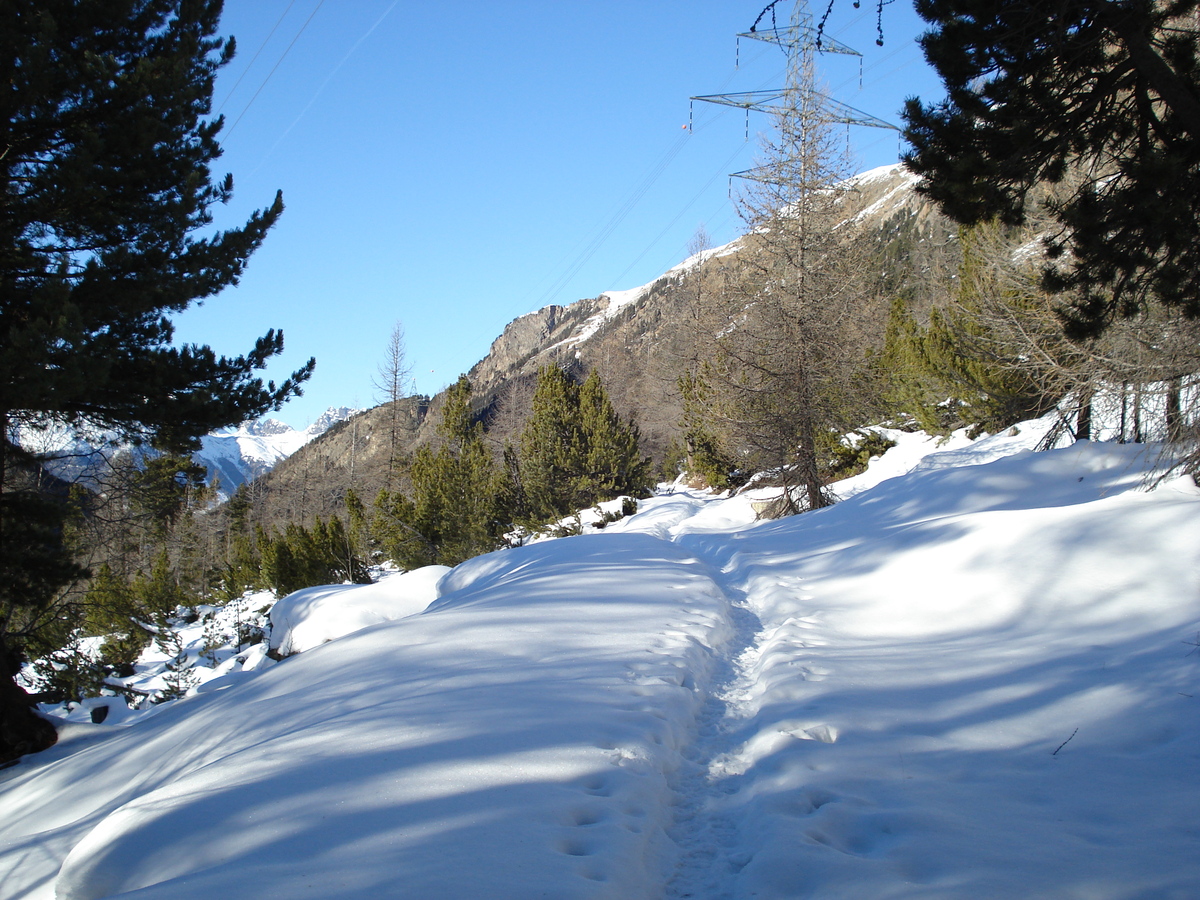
(325,83)
(584,251)
(273,68)
(695,197)
(617,218)
(254,59)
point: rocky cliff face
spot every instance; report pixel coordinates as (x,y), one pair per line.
(635,338)
(524,337)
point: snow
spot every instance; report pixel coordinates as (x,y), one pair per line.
(883,173)
(975,677)
(905,180)
(313,616)
(233,456)
(238,455)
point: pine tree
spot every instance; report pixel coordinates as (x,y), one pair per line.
(112,612)
(613,464)
(107,141)
(552,447)
(455,510)
(704,457)
(278,566)
(157,593)
(996,354)
(240,569)
(1099,97)
(166,487)
(358,527)
(575,450)
(336,553)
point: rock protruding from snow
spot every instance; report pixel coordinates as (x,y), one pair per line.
(268,428)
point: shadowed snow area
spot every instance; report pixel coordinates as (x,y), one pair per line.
(972,680)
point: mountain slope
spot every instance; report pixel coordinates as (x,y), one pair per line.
(635,338)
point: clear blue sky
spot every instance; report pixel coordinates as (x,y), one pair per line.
(452,167)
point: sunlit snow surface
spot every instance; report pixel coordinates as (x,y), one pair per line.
(974,680)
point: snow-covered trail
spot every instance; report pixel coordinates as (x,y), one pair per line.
(968,683)
(700,831)
(971,682)
(516,740)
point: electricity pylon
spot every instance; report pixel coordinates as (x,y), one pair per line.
(800,42)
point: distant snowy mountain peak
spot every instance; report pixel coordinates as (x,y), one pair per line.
(234,457)
(328,419)
(266,428)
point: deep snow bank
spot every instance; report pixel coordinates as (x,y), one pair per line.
(972,680)
(313,616)
(514,742)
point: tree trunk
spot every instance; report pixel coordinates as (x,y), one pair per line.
(1137,414)
(21,729)
(1174,410)
(1083,422)
(1122,437)
(810,468)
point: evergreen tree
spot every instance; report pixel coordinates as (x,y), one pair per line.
(513,499)
(455,509)
(1000,336)
(164,487)
(107,142)
(704,457)
(301,557)
(337,555)
(240,569)
(359,535)
(279,568)
(112,612)
(575,450)
(996,354)
(1100,97)
(612,464)
(553,452)
(157,593)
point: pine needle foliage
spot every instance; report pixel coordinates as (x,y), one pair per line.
(454,510)
(995,354)
(575,450)
(105,233)
(1098,96)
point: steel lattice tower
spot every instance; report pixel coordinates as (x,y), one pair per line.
(799,40)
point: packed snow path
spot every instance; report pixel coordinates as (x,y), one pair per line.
(972,682)
(976,680)
(514,741)
(701,832)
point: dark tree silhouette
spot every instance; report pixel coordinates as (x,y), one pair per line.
(105,146)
